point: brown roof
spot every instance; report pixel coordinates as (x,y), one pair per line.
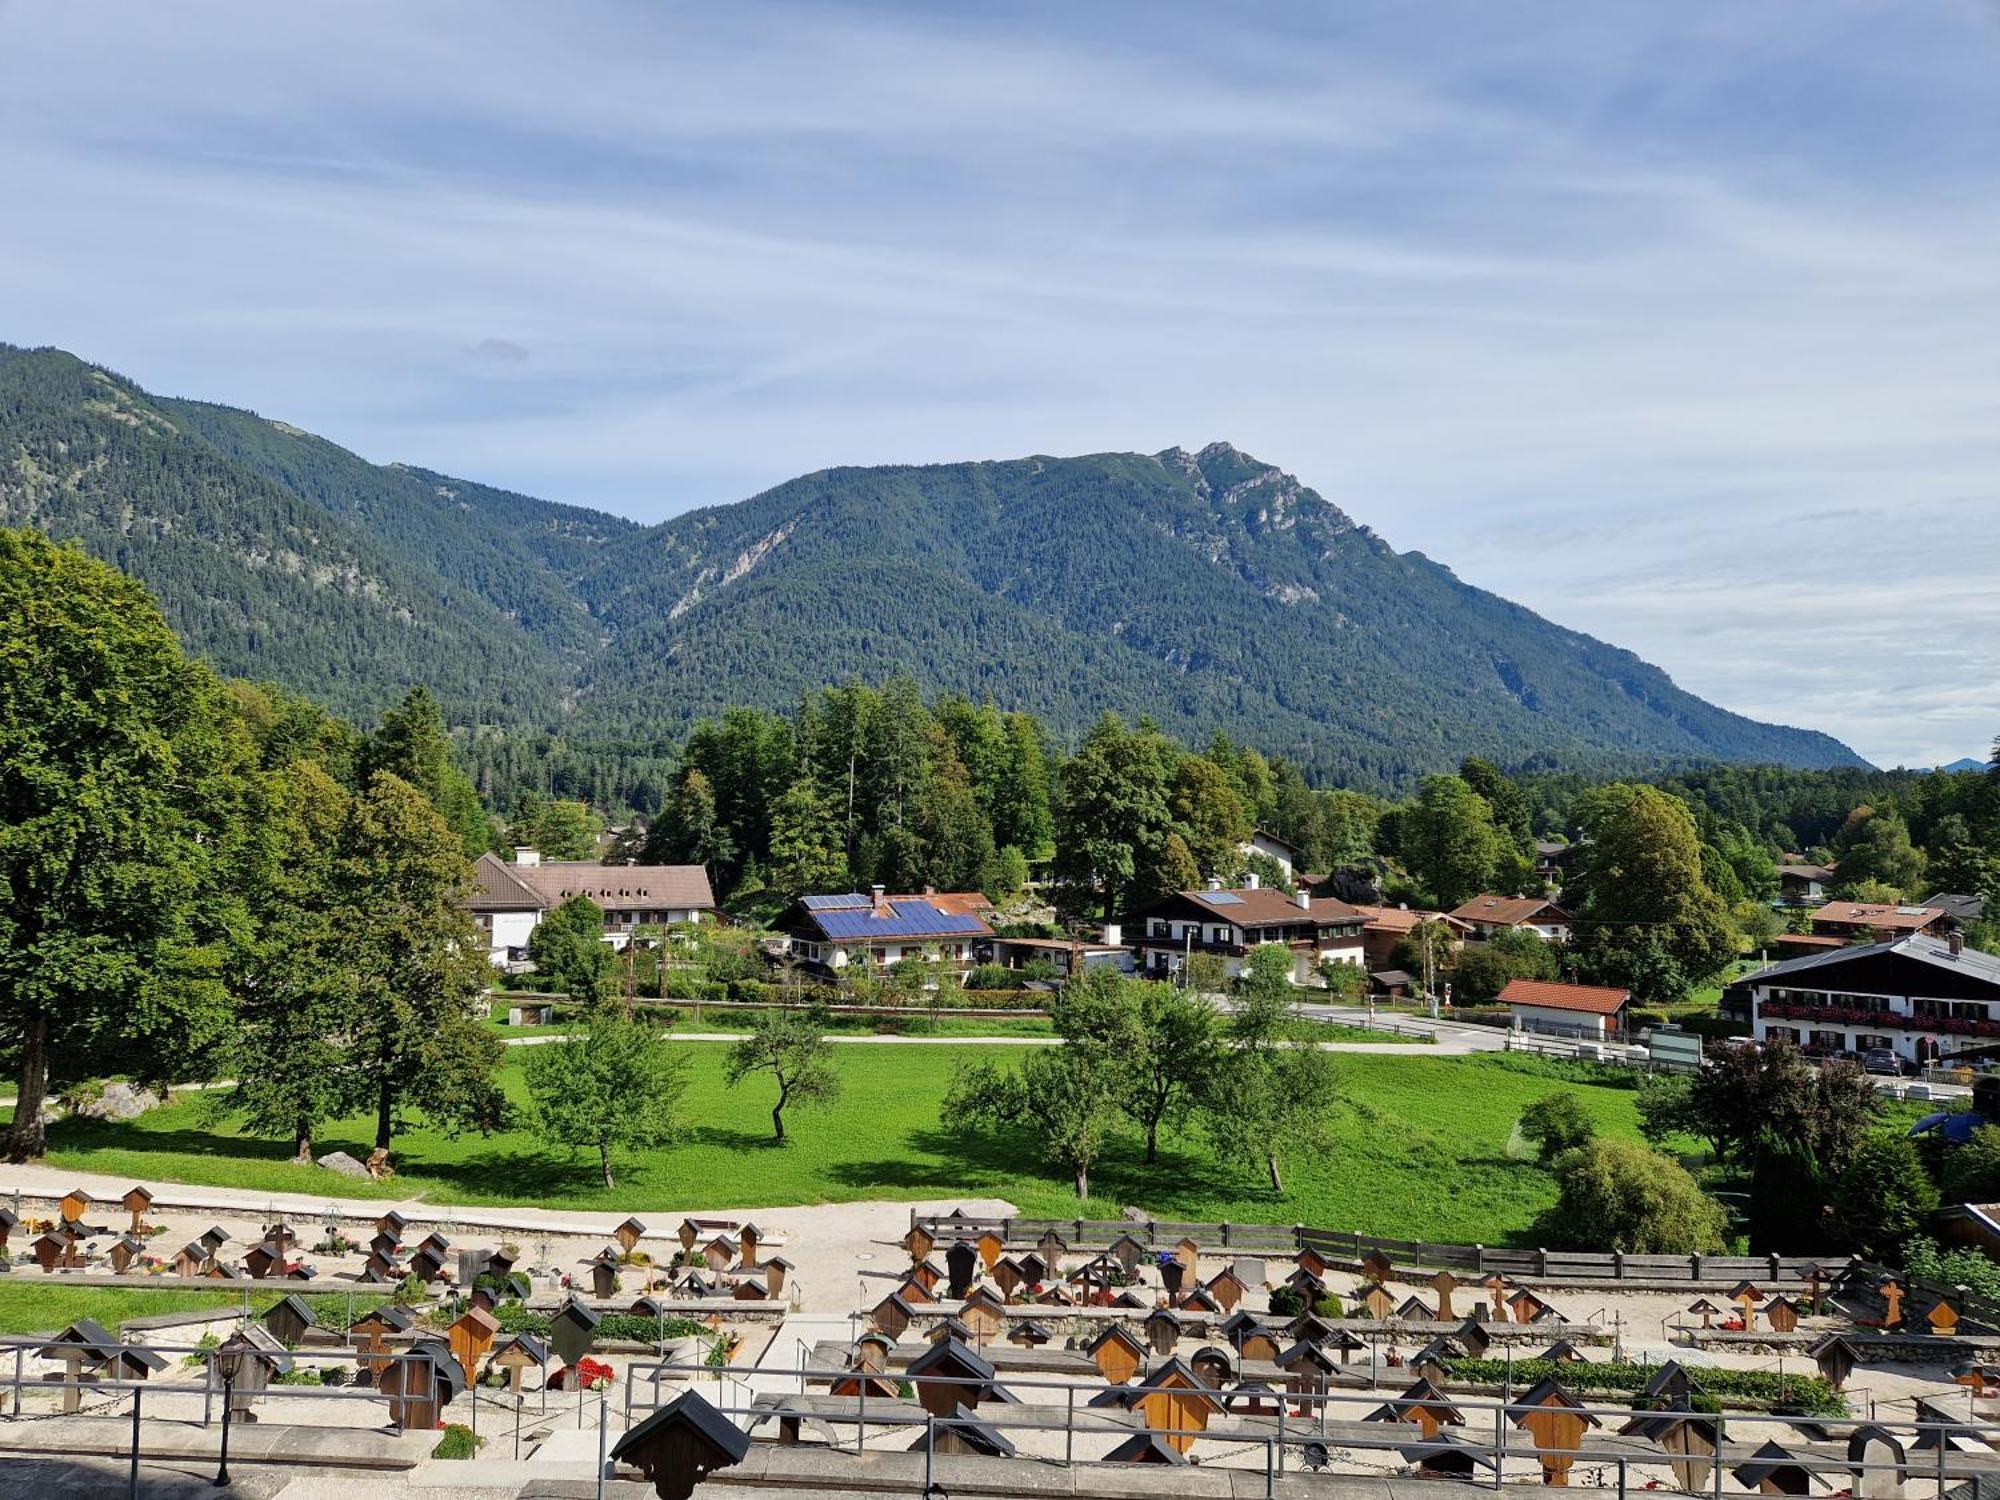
(1400,918)
(1807,872)
(1061,945)
(1508,911)
(538,887)
(1878,914)
(1546,993)
(494,887)
(1808,940)
(1267,907)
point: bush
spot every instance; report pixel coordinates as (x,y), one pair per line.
(1612,1195)
(1805,1395)
(994,977)
(457,1442)
(1557,1123)
(1883,1196)
(300,1375)
(1923,1257)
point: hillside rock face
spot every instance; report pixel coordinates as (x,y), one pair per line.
(1206,589)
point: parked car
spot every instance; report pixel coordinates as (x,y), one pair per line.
(1881,1061)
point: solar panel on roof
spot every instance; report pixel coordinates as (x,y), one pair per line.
(1224,898)
(835,903)
(903,919)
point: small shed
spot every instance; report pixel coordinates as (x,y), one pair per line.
(572,1331)
(124,1250)
(192,1259)
(137,1200)
(428,1263)
(961,1264)
(1782,1313)
(990,1247)
(1835,1358)
(1030,1334)
(1007,1275)
(517,1354)
(254,1358)
(1376,1300)
(604,1280)
(421,1383)
(1117,1353)
(628,1233)
(961,1432)
(1226,1288)
(1128,1252)
(949,1375)
(470,1338)
(749,1241)
(984,1313)
(75,1204)
(371,1331)
(1145,1448)
(1214,1364)
(1422,1405)
(288,1319)
(1772,1470)
(1563,1352)
(681,1444)
(1163,1329)
(919,1241)
(719,1252)
(392,1223)
(892,1315)
(1176,1403)
(1556,1420)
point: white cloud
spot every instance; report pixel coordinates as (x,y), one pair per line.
(1617,311)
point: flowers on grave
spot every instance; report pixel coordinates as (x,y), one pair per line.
(586,1374)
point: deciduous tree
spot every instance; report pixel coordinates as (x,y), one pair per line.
(791,1046)
(612,1084)
(570,953)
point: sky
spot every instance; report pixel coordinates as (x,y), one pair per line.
(1677,323)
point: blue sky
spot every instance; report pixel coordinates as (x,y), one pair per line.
(1678,323)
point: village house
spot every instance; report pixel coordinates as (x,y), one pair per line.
(508,901)
(1384,927)
(1595,1012)
(1803,884)
(1876,920)
(1230,923)
(1064,953)
(1488,913)
(828,933)
(1915,995)
(1282,854)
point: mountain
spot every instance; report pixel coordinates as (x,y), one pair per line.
(1208,590)
(1965,763)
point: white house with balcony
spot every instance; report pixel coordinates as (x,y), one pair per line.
(508,901)
(1920,997)
(1229,923)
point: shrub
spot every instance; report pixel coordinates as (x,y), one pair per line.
(1804,1395)
(1557,1123)
(1618,1196)
(456,1442)
(300,1375)
(994,977)
(1883,1196)
(1925,1258)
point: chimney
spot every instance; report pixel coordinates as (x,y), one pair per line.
(1957,942)
(1250,881)
(1304,899)
(878,894)
(1114,935)
(523,855)
(1215,882)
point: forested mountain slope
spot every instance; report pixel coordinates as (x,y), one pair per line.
(1208,590)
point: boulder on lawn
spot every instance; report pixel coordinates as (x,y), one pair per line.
(341,1162)
(119,1101)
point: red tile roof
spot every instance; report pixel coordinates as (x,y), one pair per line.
(1549,995)
(1878,914)
(501,886)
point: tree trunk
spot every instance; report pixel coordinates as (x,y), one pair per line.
(25,1137)
(1152,1140)
(604,1160)
(304,1139)
(1277,1182)
(778,1121)
(385,1108)
(1082,1183)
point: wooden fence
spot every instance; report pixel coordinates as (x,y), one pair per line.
(1346,1248)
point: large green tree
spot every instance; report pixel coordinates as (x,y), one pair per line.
(1619,1196)
(1449,840)
(1068,1097)
(293,988)
(413,744)
(614,1083)
(122,804)
(1168,1040)
(1112,817)
(1644,897)
(413,1036)
(570,953)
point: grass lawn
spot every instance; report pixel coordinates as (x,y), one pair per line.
(1421,1149)
(46,1306)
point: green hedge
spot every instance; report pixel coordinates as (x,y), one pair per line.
(1791,1395)
(457,1442)
(613,1327)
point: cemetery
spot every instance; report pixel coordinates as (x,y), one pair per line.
(878,1349)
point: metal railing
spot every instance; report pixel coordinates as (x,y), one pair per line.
(1302,1435)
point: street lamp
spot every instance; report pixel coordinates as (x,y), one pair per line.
(228,1363)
